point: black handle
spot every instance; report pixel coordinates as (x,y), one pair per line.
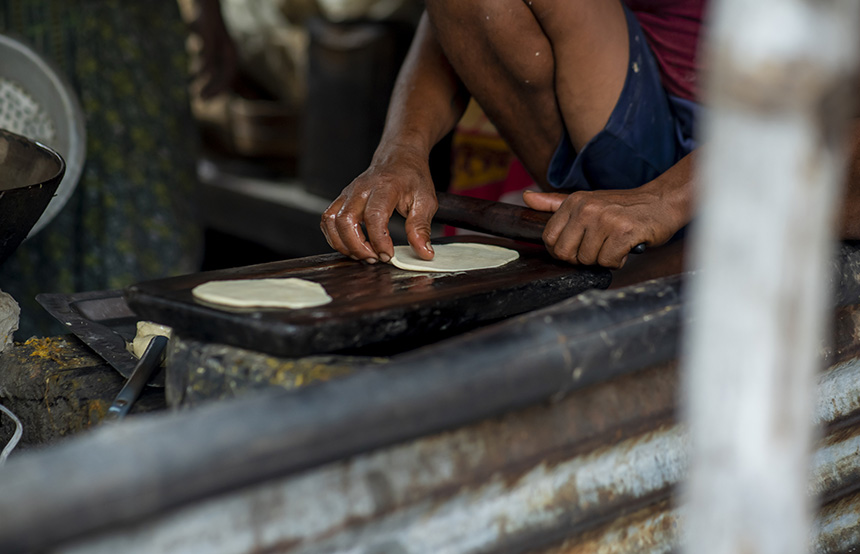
(144,369)
(496,218)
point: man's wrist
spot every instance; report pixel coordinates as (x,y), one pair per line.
(675,191)
(390,151)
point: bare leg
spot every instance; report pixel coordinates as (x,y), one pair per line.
(537,67)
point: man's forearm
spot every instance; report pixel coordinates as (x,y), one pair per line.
(428,97)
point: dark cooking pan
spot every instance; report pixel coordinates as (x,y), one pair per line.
(29,175)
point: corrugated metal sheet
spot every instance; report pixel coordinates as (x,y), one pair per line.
(521,482)
(658,529)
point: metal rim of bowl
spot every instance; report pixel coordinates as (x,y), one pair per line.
(61,163)
(59,92)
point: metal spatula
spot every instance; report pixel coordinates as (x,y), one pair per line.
(148,364)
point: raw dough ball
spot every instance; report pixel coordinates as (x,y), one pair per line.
(146,331)
(458,256)
(263,293)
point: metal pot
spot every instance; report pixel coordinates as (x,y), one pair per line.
(43,84)
(29,176)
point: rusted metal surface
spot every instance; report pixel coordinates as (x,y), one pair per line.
(521,482)
(503,449)
(658,529)
(835,465)
(323,512)
(403,500)
(652,530)
(837,393)
(837,528)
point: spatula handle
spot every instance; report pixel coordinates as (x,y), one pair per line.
(149,362)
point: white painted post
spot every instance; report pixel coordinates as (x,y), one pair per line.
(777,95)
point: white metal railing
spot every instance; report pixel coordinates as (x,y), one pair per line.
(773,161)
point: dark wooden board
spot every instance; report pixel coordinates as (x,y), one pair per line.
(372,304)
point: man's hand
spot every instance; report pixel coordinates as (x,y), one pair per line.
(601,227)
(427,101)
(402,183)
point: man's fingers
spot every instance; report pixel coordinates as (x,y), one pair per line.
(544,201)
(555,227)
(348,224)
(590,246)
(329,227)
(334,241)
(613,254)
(567,245)
(377,214)
(417,227)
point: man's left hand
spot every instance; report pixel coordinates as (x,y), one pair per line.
(602,227)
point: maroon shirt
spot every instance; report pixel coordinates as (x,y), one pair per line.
(672,30)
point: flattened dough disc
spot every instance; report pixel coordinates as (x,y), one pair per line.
(458,256)
(263,293)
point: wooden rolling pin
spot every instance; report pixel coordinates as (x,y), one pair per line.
(496,218)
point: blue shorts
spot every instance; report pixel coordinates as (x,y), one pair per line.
(648,132)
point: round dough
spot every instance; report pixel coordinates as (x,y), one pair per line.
(458,256)
(263,293)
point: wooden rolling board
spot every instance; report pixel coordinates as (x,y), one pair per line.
(372,304)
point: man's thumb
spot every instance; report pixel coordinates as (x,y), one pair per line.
(544,201)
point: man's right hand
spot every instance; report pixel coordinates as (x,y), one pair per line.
(400,182)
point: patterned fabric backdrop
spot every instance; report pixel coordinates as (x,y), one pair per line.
(132,216)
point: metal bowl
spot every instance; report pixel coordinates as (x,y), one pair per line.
(29,176)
